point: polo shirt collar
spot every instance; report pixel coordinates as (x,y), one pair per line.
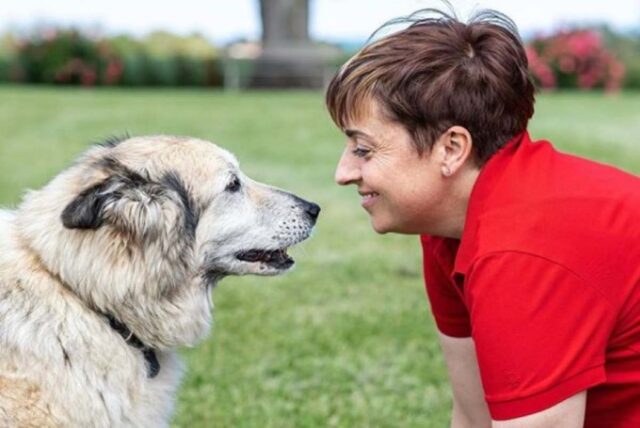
(485,183)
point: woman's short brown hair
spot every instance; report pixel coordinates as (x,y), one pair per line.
(439,72)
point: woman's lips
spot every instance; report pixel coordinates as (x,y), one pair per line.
(368,198)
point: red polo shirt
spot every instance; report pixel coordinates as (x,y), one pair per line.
(546,279)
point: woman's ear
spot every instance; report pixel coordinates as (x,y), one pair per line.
(455,146)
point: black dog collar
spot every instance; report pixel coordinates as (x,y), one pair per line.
(153,366)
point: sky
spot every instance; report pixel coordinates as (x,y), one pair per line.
(330,20)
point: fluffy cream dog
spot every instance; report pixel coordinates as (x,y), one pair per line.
(109,268)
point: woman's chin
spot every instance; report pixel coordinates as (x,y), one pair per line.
(381,227)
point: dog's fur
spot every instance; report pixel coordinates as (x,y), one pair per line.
(129,241)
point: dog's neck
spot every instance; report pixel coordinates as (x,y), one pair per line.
(153,366)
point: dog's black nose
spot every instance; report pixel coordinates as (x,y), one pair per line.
(309,208)
(313,210)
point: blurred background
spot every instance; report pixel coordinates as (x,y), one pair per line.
(346,339)
(286,43)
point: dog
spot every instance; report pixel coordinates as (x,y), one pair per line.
(109,268)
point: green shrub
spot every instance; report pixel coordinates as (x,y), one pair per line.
(626,47)
(70,57)
(632,78)
(5,69)
(168,60)
(66,57)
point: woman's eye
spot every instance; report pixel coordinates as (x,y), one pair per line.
(360,152)
(234,185)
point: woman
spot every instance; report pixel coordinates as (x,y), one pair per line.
(531,256)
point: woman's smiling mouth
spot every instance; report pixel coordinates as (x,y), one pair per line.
(368,198)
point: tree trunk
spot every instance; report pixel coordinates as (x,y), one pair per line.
(284,21)
(289,58)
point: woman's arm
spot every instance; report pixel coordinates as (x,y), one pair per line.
(566,414)
(469,407)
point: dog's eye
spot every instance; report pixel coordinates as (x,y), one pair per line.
(234,185)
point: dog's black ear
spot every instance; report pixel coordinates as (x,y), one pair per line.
(133,203)
(89,209)
(85,211)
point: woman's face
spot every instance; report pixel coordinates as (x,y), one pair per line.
(402,191)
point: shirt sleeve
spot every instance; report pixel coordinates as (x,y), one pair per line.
(447,306)
(540,332)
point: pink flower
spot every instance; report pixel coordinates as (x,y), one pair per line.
(113,72)
(574,56)
(567,64)
(540,69)
(88,76)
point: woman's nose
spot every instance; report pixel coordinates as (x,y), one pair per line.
(348,171)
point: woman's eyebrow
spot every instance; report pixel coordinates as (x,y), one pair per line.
(354,133)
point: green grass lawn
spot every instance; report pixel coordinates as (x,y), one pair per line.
(344,340)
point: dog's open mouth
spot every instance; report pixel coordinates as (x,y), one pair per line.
(278,259)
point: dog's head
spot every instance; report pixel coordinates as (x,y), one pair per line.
(142,228)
